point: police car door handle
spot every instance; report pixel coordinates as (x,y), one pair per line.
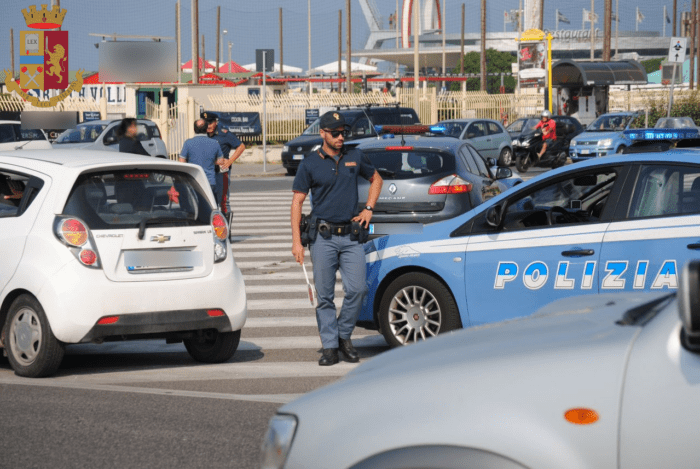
(578,253)
(694,246)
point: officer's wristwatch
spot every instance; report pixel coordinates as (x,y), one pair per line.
(369,207)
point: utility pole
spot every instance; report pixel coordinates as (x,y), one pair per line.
(218,37)
(416,57)
(541,20)
(675,14)
(461,51)
(697,41)
(591,17)
(178,39)
(617,25)
(12,52)
(693,13)
(195,41)
(442,26)
(607,27)
(340,49)
(483,45)
(309,21)
(281,46)
(348,52)
(230,65)
(204,56)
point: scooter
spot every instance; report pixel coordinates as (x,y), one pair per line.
(529,146)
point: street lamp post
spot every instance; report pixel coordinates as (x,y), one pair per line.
(230,44)
(223,36)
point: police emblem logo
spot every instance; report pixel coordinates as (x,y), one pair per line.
(336,116)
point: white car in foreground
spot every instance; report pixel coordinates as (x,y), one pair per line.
(607,381)
(97,249)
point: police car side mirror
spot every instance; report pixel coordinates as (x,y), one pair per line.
(689,306)
(494,216)
(503,173)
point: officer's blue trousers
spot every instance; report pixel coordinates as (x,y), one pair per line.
(329,255)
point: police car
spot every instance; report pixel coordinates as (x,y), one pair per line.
(95,249)
(622,223)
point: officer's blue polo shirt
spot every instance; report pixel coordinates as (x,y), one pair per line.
(227,141)
(333,183)
(202,151)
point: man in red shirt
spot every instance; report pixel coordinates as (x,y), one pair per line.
(549,130)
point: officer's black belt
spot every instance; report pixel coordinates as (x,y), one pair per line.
(336,228)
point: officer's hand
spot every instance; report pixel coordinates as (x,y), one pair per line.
(298,252)
(364,217)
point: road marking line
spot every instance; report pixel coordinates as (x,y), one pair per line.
(305,342)
(266,253)
(240,239)
(299,288)
(250,247)
(284,304)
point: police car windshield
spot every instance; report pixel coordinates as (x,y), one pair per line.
(399,165)
(123,199)
(609,123)
(86,133)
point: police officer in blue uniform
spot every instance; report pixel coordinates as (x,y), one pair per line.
(334,232)
(228,141)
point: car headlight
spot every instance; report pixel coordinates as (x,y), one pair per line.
(278,441)
(574,143)
(285,149)
(516,143)
(605,143)
(316,148)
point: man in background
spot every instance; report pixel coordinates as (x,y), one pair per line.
(204,152)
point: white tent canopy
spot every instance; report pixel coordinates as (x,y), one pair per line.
(332,68)
(287,68)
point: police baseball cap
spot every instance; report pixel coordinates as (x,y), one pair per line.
(332,120)
(209,116)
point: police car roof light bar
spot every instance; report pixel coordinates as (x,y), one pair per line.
(661,134)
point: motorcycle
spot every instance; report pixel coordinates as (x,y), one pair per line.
(529,145)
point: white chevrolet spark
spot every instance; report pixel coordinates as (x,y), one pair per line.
(98,247)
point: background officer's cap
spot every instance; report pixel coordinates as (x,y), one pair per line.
(332,120)
(209,116)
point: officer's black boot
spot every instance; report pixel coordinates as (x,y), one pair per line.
(348,350)
(329,357)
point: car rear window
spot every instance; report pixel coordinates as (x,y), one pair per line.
(398,164)
(123,199)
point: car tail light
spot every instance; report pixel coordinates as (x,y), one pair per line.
(108,320)
(450,185)
(220,230)
(215,313)
(75,234)
(399,148)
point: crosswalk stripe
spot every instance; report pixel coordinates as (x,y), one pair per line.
(299,288)
(262,254)
(291,275)
(264,230)
(305,342)
(255,323)
(282,304)
(253,239)
(236,224)
(249,247)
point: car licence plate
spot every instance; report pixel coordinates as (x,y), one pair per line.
(585,152)
(298,157)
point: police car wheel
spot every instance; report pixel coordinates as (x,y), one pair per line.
(32,349)
(416,307)
(506,158)
(621,149)
(213,346)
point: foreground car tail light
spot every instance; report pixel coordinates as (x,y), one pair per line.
(450,185)
(108,320)
(215,313)
(75,234)
(220,229)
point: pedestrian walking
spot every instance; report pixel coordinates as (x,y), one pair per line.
(228,142)
(203,151)
(127,134)
(335,233)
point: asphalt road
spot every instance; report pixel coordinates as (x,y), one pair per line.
(148,404)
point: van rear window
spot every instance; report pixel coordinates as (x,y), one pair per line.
(123,199)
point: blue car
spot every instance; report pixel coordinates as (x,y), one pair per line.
(624,223)
(605,136)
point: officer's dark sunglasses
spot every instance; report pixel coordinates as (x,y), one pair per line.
(336,133)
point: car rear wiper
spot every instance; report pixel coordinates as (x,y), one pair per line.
(159,221)
(385,171)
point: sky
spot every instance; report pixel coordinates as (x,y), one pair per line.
(254,24)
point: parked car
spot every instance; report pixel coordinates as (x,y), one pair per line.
(361,121)
(13,137)
(101,135)
(96,248)
(526,125)
(625,222)
(605,382)
(427,179)
(675,123)
(603,137)
(488,136)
